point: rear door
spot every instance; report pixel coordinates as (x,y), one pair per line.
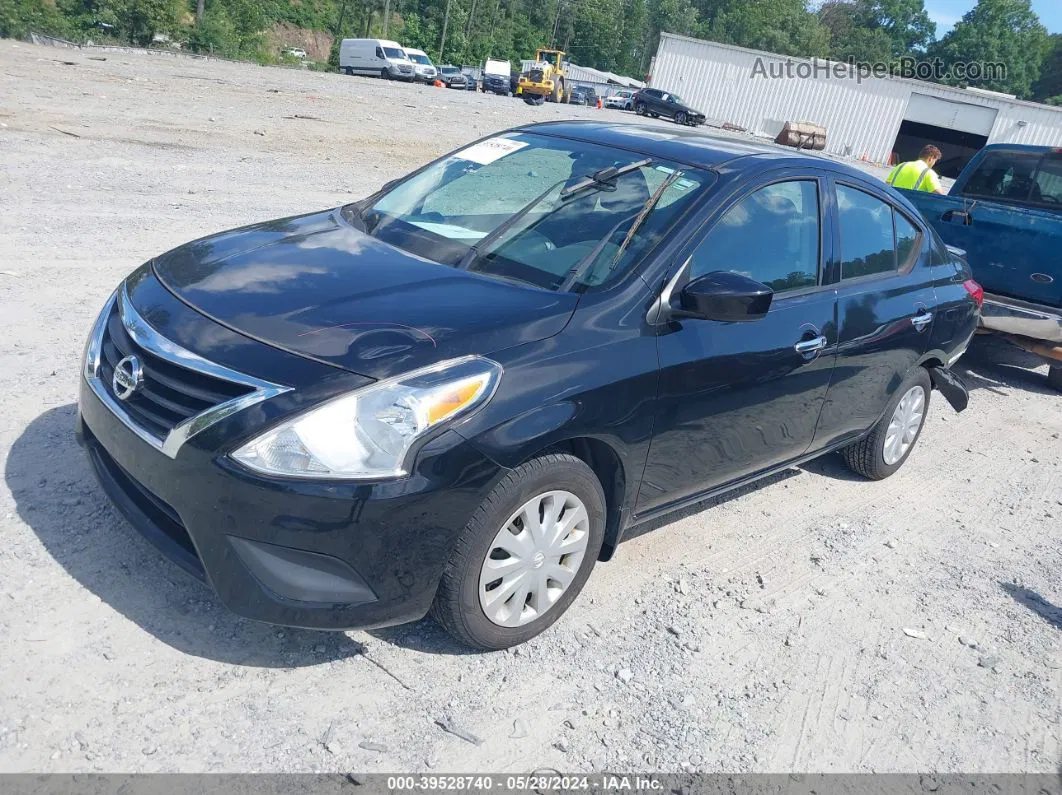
(886,307)
(737,398)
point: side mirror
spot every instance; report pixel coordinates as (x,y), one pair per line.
(724,296)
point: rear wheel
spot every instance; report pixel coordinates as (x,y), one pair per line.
(891,440)
(640,108)
(349,72)
(525,554)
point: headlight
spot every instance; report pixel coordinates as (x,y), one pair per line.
(90,357)
(369,433)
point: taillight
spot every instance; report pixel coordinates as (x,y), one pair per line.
(976,291)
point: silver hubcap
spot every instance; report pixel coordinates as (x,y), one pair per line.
(534,558)
(904,425)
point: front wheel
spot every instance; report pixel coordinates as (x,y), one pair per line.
(525,554)
(893,437)
(680,118)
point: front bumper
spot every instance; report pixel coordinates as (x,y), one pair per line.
(1013,316)
(312,554)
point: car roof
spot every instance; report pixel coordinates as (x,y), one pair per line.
(683,144)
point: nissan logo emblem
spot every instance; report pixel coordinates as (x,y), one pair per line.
(128,377)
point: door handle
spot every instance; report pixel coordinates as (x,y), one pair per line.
(963,217)
(814,345)
(922,320)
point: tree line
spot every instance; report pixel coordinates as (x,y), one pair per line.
(615,35)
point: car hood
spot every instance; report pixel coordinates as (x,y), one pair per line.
(318,287)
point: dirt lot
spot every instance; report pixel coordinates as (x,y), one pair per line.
(816,622)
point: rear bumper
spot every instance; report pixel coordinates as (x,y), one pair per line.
(1012,316)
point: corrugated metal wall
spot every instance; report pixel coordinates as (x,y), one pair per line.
(861,118)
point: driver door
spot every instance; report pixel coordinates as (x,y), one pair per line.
(669,106)
(739,398)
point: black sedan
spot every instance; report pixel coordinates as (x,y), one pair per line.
(655,102)
(460,393)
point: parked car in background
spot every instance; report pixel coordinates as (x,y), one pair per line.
(583,95)
(655,102)
(496,77)
(452,77)
(621,100)
(1005,212)
(423,68)
(471,77)
(294,52)
(379,57)
(622,324)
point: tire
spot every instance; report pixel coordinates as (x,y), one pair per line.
(1054,377)
(384,75)
(868,456)
(349,72)
(459,606)
(680,118)
(640,108)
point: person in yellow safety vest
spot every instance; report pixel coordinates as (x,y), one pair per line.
(918,174)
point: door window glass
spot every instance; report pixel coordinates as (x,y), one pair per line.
(1048,186)
(908,241)
(867,245)
(771,236)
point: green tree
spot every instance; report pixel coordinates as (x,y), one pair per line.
(996,31)
(782,26)
(1049,84)
(20,17)
(876,30)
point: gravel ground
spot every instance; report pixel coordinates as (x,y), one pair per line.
(815,622)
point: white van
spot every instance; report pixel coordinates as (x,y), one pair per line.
(422,65)
(375,57)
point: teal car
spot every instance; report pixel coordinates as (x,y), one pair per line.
(1005,212)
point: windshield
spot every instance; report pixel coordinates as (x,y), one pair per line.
(419,59)
(505,207)
(447,70)
(394,52)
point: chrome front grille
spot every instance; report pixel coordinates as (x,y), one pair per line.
(170,394)
(177,393)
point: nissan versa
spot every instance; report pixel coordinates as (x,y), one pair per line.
(458,394)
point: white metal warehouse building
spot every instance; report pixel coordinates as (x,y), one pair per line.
(875,117)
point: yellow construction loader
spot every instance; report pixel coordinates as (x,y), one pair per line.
(545,77)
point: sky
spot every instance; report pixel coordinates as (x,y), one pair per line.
(947,12)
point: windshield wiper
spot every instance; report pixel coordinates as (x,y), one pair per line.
(600,179)
(580,267)
(473,250)
(603,177)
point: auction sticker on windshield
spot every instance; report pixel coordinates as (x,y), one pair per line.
(490,150)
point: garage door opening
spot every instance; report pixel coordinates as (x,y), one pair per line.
(957,146)
(957,128)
